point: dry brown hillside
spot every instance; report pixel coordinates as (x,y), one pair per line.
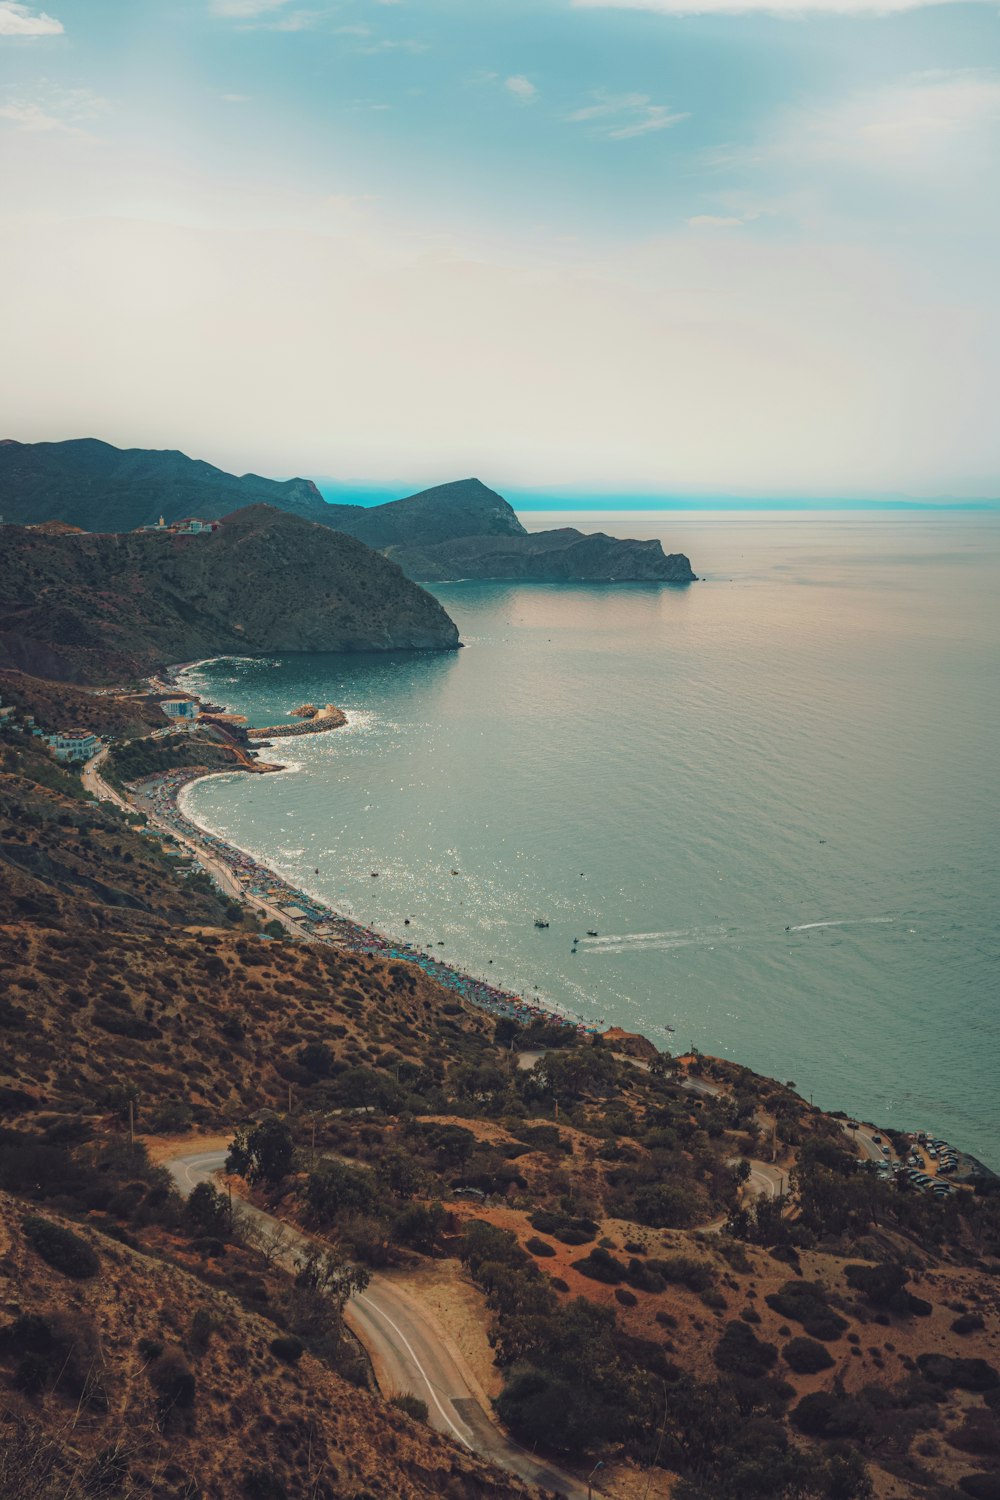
(140,1380)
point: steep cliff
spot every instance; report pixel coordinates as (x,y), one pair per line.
(87,608)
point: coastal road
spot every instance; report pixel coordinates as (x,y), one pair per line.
(408,1352)
(94,783)
(864,1138)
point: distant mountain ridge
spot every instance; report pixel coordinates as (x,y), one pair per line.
(98,487)
(458,530)
(88,608)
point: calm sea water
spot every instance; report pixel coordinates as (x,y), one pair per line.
(773,794)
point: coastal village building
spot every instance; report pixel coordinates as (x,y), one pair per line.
(186,526)
(74,744)
(179,708)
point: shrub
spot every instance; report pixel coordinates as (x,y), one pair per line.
(696,1275)
(806,1356)
(262,1483)
(966,1374)
(173,1381)
(601,1265)
(61,1248)
(981,1486)
(563,1227)
(287,1347)
(411,1405)
(539,1247)
(805,1302)
(968,1323)
(741,1352)
(625,1297)
(828,1416)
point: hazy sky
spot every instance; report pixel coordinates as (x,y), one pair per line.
(571,243)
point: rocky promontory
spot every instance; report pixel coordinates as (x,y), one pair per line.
(110,608)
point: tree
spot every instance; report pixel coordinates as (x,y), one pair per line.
(206,1212)
(339,1188)
(401,1174)
(263,1154)
(329,1274)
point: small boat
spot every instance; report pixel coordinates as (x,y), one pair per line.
(374,874)
(591,931)
(539,922)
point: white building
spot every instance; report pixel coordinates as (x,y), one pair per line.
(179,708)
(74,744)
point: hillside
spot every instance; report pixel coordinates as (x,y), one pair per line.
(93,485)
(132,1376)
(94,608)
(457,530)
(580,1227)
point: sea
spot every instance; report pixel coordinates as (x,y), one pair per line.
(759,814)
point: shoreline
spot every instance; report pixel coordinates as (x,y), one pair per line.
(306,917)
(345,932)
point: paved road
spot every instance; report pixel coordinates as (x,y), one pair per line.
(864,1136)
(408,1353)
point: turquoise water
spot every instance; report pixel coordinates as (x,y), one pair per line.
(805,740)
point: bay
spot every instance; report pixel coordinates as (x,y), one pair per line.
(772,794)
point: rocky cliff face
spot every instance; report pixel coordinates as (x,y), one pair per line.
(561,556)
(84,608)
(464,530)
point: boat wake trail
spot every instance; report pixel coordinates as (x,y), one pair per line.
(844,922)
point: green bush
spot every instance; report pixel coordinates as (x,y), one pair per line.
(981,1486)
(539,1247)
(287,1347)
(61,1248)
(563,1227)
(806,1356)
(826,1415)
(173,1381)
(600,1265)
(741,1352)
(805,1302)
(411,1405)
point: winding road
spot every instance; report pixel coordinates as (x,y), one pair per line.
(408,1352)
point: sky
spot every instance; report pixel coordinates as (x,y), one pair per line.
(574,247)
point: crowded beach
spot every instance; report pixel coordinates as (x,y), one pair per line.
(260,885)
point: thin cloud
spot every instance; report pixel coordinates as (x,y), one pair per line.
(22,20)
(714,221)
(914,125)
(621,117)
(771,7)
(242,10)
(67,111)
(522,88)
